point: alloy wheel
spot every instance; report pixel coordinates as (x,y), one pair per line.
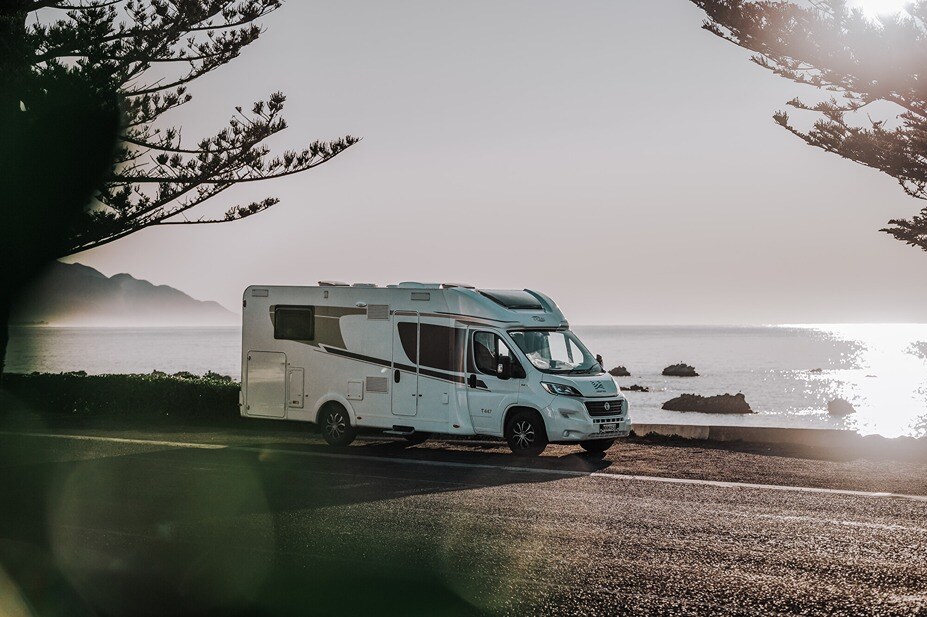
(335,425)
(523,434)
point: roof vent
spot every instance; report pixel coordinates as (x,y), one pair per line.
(333,284)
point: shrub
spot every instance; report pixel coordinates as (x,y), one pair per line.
(156,396)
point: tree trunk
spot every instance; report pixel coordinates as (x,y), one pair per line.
(14,74)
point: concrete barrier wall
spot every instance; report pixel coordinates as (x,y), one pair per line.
(816,437)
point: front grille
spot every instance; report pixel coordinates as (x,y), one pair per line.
(597,408)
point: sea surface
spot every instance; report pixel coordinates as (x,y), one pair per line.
(880,368)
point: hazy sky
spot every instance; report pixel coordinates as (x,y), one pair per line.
(611,154)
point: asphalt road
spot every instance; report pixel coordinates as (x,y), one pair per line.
(217,523)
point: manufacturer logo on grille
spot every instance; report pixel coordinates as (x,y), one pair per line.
(607,405)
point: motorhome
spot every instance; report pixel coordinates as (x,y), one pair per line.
(416,359)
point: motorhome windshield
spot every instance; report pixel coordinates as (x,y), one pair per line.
(556,351)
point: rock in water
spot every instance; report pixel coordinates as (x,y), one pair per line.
(680,370)
(619,371)
(840,407)
(634,388)
(722,403)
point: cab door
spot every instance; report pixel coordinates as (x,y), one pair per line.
(488,396)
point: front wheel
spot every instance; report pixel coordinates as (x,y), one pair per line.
(336,426)
(525,433)
(597,445)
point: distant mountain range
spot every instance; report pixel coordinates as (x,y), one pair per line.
(74,294)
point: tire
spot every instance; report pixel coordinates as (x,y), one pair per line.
(525,433)
(416,438)
(597,445)
(335,424)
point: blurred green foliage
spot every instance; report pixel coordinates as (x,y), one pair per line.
(182,397)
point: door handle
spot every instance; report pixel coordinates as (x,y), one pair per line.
(396,375)
(471,380)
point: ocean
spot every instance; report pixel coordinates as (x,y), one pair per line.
(880,368)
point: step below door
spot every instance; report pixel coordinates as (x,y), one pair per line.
(266,384)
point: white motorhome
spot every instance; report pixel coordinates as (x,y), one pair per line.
(414,359)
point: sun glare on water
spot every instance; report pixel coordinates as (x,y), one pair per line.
(887,381)
(875,9)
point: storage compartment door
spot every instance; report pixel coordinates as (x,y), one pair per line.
(266,384)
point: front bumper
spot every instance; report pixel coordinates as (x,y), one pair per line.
(568,421)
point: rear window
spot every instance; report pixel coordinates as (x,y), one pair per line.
(294,323)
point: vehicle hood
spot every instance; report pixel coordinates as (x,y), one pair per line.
(591,386)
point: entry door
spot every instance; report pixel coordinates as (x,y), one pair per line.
(488,396)
(266,387)
(405,394)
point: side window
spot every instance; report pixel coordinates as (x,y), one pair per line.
(408,336)
(487,349)
(294,323)
(442,347)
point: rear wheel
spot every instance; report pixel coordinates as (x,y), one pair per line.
(416,438)
(597,445)
(525,433)
(336,425)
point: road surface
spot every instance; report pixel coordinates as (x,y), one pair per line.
(224,523)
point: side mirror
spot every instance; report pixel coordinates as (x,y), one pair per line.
(504,367)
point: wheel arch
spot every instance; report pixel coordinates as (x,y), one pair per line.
(516,408)
(333,398)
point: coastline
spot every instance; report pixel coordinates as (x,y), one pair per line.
(182,401)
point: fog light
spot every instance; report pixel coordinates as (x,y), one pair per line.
(566,433)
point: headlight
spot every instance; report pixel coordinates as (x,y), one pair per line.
(562,390)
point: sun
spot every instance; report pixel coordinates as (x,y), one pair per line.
(879,8)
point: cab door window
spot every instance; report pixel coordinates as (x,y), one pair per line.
(487,349)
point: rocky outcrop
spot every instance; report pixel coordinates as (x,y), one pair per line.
(722,403)
(840,407)
(680,370)
(816,370)
(634,388)
(619,371)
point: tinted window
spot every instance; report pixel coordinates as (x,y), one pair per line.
(441,347)
(487,349)
(408,336)
(294,323)
(513,299)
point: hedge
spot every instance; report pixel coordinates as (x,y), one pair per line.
(180,397)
